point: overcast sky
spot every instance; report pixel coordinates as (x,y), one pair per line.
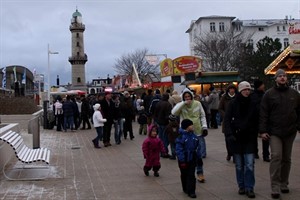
(113,28)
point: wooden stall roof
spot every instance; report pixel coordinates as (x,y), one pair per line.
(287,61)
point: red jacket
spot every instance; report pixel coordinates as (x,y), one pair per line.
(151,149)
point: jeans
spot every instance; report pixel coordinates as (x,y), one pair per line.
(118,125)
(68,122)
(163,136)
(99,131)
(203,154)
(244,168)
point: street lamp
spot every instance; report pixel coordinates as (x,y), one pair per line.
(49,52)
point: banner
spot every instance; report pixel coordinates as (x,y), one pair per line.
(15,74)
(4,78)
(24,77)
(187,64)
(166,67)
(152,59)
(294,36)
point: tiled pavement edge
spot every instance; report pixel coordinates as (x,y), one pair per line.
(79,171)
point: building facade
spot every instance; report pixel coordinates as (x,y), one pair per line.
(78,57)
(253,30)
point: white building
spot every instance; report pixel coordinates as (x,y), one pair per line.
(256,29)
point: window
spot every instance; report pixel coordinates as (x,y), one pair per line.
(283,28)
(212,27)
(221,27)
(250,42)
(77,53)
(238,27)
(77,44)
(260,29)
(78,80)
(278,28)
(77,35)
(285,42)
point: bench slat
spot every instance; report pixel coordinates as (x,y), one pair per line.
(32,156)
(24,155)
(12,139)
(29,155)
(6,136)
(15,141)
(19,146)
(47,160)
(35,158)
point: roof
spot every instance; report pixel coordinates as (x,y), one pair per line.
(76,14)
(282,62)
(208,17)
(263,22)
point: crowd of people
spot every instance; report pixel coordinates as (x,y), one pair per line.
(177,125)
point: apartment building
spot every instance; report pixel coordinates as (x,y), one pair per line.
(253,29)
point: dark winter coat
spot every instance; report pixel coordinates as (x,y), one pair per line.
(142,118)
(162,111)
(280,112)
(68,108)
(152,147)
(107,108)
(172,131)
(187,147)
(223,105)
(241,125)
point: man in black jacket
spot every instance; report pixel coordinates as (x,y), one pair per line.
(279,123)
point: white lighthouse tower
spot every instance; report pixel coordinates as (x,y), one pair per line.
(78,58)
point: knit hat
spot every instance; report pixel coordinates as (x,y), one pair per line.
(279,72)
(244,85)
(142,107)
(97,106)
(186,123)
(126,92)
(172,118)
(257,84)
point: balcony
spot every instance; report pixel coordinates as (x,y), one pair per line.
(78,59)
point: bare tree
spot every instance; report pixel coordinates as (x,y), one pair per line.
(124,64)
(220,51)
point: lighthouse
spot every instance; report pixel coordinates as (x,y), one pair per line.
(78,57)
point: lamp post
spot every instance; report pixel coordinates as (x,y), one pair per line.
(49,52)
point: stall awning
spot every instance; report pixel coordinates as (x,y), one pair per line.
(217,79)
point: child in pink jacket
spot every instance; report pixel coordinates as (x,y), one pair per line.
(152,147)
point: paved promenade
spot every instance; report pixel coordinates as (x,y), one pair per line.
(79,171)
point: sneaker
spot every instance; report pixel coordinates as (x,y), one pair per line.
(156,174)
(200,178)
(250,194)
(242,191)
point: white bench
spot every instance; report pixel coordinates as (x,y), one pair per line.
(25,154)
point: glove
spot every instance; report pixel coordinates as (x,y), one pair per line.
(183,165)
(204,132)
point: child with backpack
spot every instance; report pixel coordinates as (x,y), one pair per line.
(142,120)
